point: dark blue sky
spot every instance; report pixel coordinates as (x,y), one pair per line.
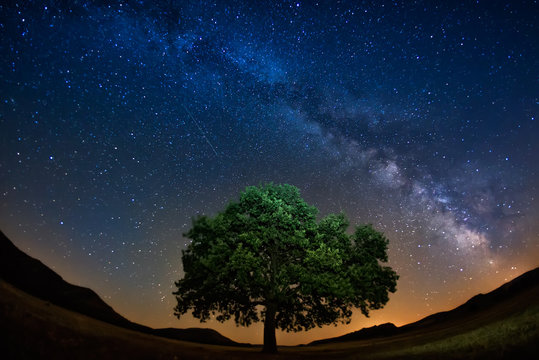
(119,121)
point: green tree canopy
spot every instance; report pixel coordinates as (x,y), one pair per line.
(266,258)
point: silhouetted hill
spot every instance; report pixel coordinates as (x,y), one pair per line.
(203,336)
(500,297)
(383,330)
(33,277)
(497,304)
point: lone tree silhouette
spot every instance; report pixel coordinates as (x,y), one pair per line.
(266,258)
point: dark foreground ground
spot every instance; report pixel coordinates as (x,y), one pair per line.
(35,329)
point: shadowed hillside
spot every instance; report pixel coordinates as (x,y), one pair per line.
(31,328)
(35,278)
(497,304)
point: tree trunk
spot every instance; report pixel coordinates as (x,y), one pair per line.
(270,343)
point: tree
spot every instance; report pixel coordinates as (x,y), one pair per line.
(266,258)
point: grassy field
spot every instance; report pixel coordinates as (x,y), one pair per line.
(501,339)
(34,329)
(515,337)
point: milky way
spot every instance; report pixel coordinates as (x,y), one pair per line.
(120,121)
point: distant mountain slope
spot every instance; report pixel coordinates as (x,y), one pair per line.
(376,331)
(33,277)
(32,328)
(198,335)
(504,301)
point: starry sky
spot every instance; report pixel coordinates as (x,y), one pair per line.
(120,121)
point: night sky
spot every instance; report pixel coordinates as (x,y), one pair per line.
(120,121)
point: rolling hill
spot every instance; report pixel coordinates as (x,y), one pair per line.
(499,303)
(33,277)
